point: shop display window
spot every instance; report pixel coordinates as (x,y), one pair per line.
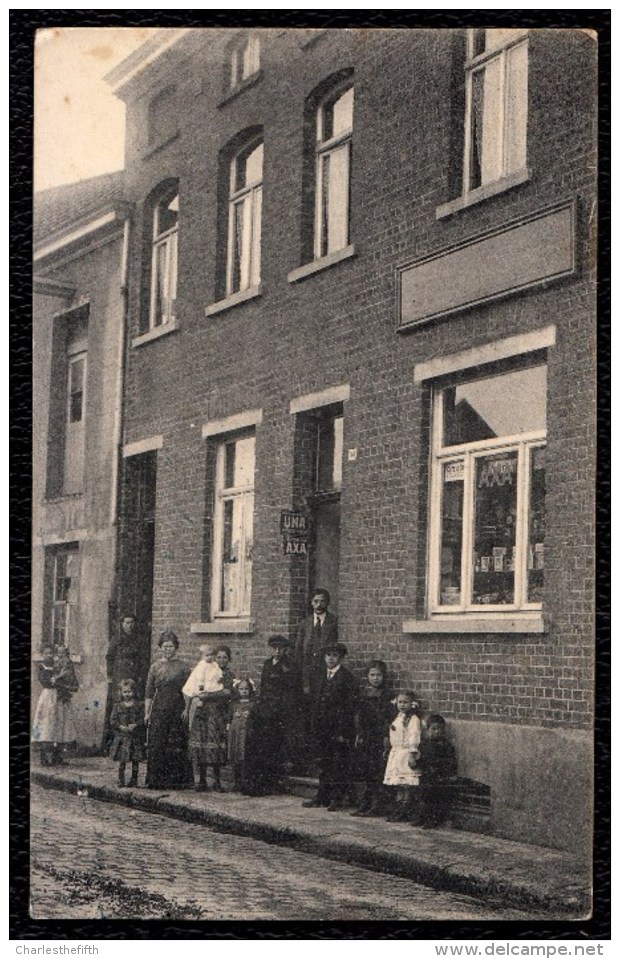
(488,493)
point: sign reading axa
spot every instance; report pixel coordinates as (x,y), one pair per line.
(294,527)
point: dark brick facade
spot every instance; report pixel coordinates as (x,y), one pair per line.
(338,326)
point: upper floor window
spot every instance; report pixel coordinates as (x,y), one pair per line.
(162,117)
(74,429)
(244,219)
(496,75)
(67,403)
(164,258)
(334,127)
(244,59)
(487,549)
(233,526)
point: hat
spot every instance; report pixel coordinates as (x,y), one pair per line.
(279,641)
(339,648)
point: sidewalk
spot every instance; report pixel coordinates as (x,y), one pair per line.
(514,873)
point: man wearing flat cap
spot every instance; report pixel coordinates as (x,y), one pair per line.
(334,727)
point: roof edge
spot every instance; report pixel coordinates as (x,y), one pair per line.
(141,58)
(105,216)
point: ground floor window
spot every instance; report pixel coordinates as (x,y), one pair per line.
(233,526)
(64,570)
(487,548)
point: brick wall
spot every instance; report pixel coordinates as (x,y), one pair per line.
(339,326)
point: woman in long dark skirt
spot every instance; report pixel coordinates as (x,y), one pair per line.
(274,727)
(208,734)
(167,766)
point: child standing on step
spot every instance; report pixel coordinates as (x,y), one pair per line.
(372,721)
(437,768)
(243,691)
(401,772)
(127,725)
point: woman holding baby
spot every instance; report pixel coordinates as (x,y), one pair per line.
(208,694)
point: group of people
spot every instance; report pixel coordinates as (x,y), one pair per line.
(372,747)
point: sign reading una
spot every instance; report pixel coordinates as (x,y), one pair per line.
(294,527)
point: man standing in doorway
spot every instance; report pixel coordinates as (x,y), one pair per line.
(313,633)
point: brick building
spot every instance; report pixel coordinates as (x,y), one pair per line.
(78,329)
(360,354)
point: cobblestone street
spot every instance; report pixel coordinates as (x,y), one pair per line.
(93,860)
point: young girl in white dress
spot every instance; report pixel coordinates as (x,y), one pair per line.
(401,771)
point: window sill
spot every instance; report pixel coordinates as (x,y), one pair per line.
(63,497)
(234,300)
(154,334)
(482,193)
(518,623)
(244,85)
(316,266)
(222,626)
(153,148)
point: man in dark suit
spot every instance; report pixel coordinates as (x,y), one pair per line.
(334,727)
(313,633)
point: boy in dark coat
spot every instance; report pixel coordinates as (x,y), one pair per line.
(437,767)
(334,728)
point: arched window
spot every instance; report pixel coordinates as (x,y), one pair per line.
(244,218)
(334,128)
(164,257)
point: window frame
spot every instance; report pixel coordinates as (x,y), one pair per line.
(62,552)
(237,197)
(75,436)
(168,240)
(247,42)
(475,64)
(323,149)
(469,453)
(222,495)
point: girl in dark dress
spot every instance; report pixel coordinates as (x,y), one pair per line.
(167,766)
(127,724)
(208,745)
(274,727)
(372,721)
(238,730)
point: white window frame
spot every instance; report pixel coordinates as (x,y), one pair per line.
(473,65)
(168,242)
(250,196)
(223,495)
(324,148)
(244,59)
(75,433)
(70,609)
(468,453)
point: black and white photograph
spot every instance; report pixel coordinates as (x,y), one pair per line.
(314,473)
